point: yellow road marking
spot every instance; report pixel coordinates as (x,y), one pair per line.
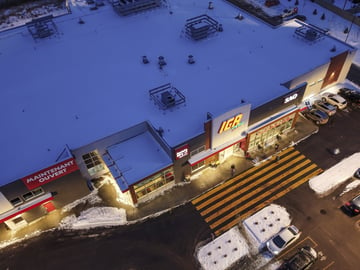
(246,180)
(245,173)
(260,206)
(258,190)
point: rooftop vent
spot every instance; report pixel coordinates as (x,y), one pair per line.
(42,27)
(310,33)
(166,96)
(201,27)
(128,7)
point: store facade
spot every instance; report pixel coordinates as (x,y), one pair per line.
(31,197)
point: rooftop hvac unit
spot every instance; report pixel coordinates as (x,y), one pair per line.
(311,35)
(167,99)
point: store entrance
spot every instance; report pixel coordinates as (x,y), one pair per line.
(223,155)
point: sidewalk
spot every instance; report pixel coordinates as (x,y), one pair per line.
(178,195)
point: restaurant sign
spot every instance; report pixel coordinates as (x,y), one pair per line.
(49,174)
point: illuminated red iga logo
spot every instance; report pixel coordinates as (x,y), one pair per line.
(230,123)
(182,151)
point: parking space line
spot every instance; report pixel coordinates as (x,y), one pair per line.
(329,265)
(297,245)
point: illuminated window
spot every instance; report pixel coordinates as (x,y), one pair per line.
(154,182)
(17,220)
(93,162)
(198,166)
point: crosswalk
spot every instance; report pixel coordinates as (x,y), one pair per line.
(236,199)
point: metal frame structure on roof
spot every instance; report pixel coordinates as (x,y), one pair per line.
(166,96)
(310,33)
(42,27)
(128,7)
(201,27)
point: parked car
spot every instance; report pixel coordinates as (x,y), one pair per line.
(353,206)
(334,99)
(283,239)
(318,116)
(352,96)
(302,260)
(357,173)
(325,107)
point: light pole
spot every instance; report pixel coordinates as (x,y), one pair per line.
(352,22)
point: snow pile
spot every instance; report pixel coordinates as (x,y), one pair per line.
(335,176)
(351,186)
(223,251)
(95,217)
(267,222)
(91,198)
(232,246)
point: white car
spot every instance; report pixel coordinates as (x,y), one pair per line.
(283,239)
(335,100)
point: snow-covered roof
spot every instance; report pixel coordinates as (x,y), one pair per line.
(89,80)
(137,158)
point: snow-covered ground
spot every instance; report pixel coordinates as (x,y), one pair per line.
(234,245)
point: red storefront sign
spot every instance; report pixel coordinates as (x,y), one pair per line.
(49,174)
(182,151)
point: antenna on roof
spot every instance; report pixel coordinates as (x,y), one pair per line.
(210,6)
(145,60)
(160,130)
(161,61)
(209,116)
(191,59)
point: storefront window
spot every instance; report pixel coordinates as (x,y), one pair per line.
(267,135)
(198,166)
(153,183)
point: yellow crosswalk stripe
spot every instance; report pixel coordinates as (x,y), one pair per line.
(253,184)
(242,175)
(265,203)
(258,198)
(225,206)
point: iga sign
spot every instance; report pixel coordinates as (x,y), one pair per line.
(182,151)
(229,127)
(231,123)
(51,173)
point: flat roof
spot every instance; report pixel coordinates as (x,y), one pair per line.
(89,81)
(137,158)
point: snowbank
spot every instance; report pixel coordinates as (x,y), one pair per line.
(267,222)
(332,178)
(232,246)
(95,217)
(223,251)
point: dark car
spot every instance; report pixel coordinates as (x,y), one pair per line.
(357,173)
(302,260)
(352,96)
(353,206)
(318,116)
(325,107)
